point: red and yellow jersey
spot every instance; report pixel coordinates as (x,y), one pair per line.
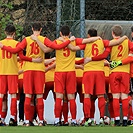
(65,59)
(120,52)
(33,50)
(91,50)
(8,61)
(20,67)
(79,72)
(49,76)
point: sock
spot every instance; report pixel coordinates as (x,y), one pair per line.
(58,107)
(13,107)
(110,108)
(125,106)
(127,60)
(32,111)
(116,107)
(65,111)
(1,101)
(87,107)
(40,108)
(92,111)
(101,106)
(27,108)
(73,108)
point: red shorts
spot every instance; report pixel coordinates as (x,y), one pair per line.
(93,82)
(34,82)
(8,83)
(48,86)
(79,89)
(119,82)
(65,82)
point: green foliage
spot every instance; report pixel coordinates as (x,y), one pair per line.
(5,18)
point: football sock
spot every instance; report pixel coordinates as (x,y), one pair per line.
(110,108)
(116,107)
(125,106)
(87,107)
(58,107)
(101,106)
(65,111)
(40,108)
(13,107)
(1,101)
(27,106)
(73,108)
(32,111)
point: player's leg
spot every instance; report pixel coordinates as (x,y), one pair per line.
(87,89)
(39,90)
(13,89)
(59,79)
(70,90)
(100,92)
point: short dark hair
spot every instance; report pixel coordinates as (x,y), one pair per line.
(132,29)
(65,30)
(117,30)
(10,29)
(36,26)
(92,32)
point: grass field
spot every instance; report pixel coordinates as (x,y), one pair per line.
(52,129)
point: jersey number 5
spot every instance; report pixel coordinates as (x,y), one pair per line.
(66,52)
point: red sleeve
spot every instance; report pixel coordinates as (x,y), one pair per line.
(54,45)
(130,44)
(78,62)
(20,46)
(106,43)
(24,58)
(103,55)
(78,41)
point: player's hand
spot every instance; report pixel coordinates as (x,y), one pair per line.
(33,37)
(72,38)
(61,39)
(99,38)
(87,60)
(125,37)
(1,45)
(37,60)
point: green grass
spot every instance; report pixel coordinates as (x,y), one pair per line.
(52,129)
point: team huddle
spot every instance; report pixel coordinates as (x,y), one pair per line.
(33,76)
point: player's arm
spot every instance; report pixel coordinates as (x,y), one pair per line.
(127,60)
(79,45)
(78,62)
(19,47)
(48,61)
(79,66)
(49,43)
(118,41)
(50,67)
(91,39)
(99,57)
(20,72)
